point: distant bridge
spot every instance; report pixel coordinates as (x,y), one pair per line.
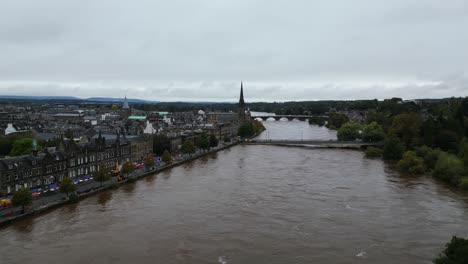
(314,143)
(288,117)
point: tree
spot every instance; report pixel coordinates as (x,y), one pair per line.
(6,144)
(316,120)
(213,141)
(226,139)
(128,167)
(102,174)
(429,130)
(455,252)
(373,152)
(149,162)
(22,197)
(411,164)
(429,155)
(166,157)
(203,141)
(447,140)
(188,147)
(406,127)
(393,148)
(373,132)
(463,153)
(23,146)
(448,168)
(380,118)
(66,186)
(350,131)
(245,130)
(161,143)
(336,120)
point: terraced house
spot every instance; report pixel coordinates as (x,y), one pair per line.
(32,171)
(70,159)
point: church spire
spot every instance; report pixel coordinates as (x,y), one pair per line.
(241,110)
(125,103)
(241,99)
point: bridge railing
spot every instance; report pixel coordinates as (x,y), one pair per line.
(311,141)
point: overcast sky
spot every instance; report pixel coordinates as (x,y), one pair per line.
(200,50)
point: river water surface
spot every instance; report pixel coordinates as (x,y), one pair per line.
(252,204)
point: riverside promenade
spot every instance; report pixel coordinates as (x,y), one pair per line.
(56,199)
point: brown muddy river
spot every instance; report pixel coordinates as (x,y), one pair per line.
(252,204)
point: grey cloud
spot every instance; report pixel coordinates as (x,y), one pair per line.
(201,50)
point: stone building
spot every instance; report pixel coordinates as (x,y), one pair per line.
(71,159)
(141,147)
(37,170)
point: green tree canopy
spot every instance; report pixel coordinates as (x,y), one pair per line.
(128,167)
(373,132)
(203,141)
(349,131)
(447,140)
(23,146)
(429,155)
(6,144)
(213,141)
(22,197)
(406,127)
(411,164)
(373,152)
(455,252)
(66,186)
(245,130)
(166,157)
(336,120)
(102,174)
(448,168)
(393,148)
(316,120)
(188,147)
(160,143)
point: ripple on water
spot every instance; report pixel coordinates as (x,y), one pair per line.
(252,204)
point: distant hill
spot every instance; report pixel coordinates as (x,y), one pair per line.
(118,100)
(26,97)
(72,98)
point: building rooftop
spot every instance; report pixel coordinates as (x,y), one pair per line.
(137,117)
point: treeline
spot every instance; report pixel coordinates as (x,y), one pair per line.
(162,144)
(250,129)
(279,108)
(19,144)
(431,138)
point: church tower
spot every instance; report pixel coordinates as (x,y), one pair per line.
(241,110)
(126,110)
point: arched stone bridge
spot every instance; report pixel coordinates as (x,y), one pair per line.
(313,143)
(288,117)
